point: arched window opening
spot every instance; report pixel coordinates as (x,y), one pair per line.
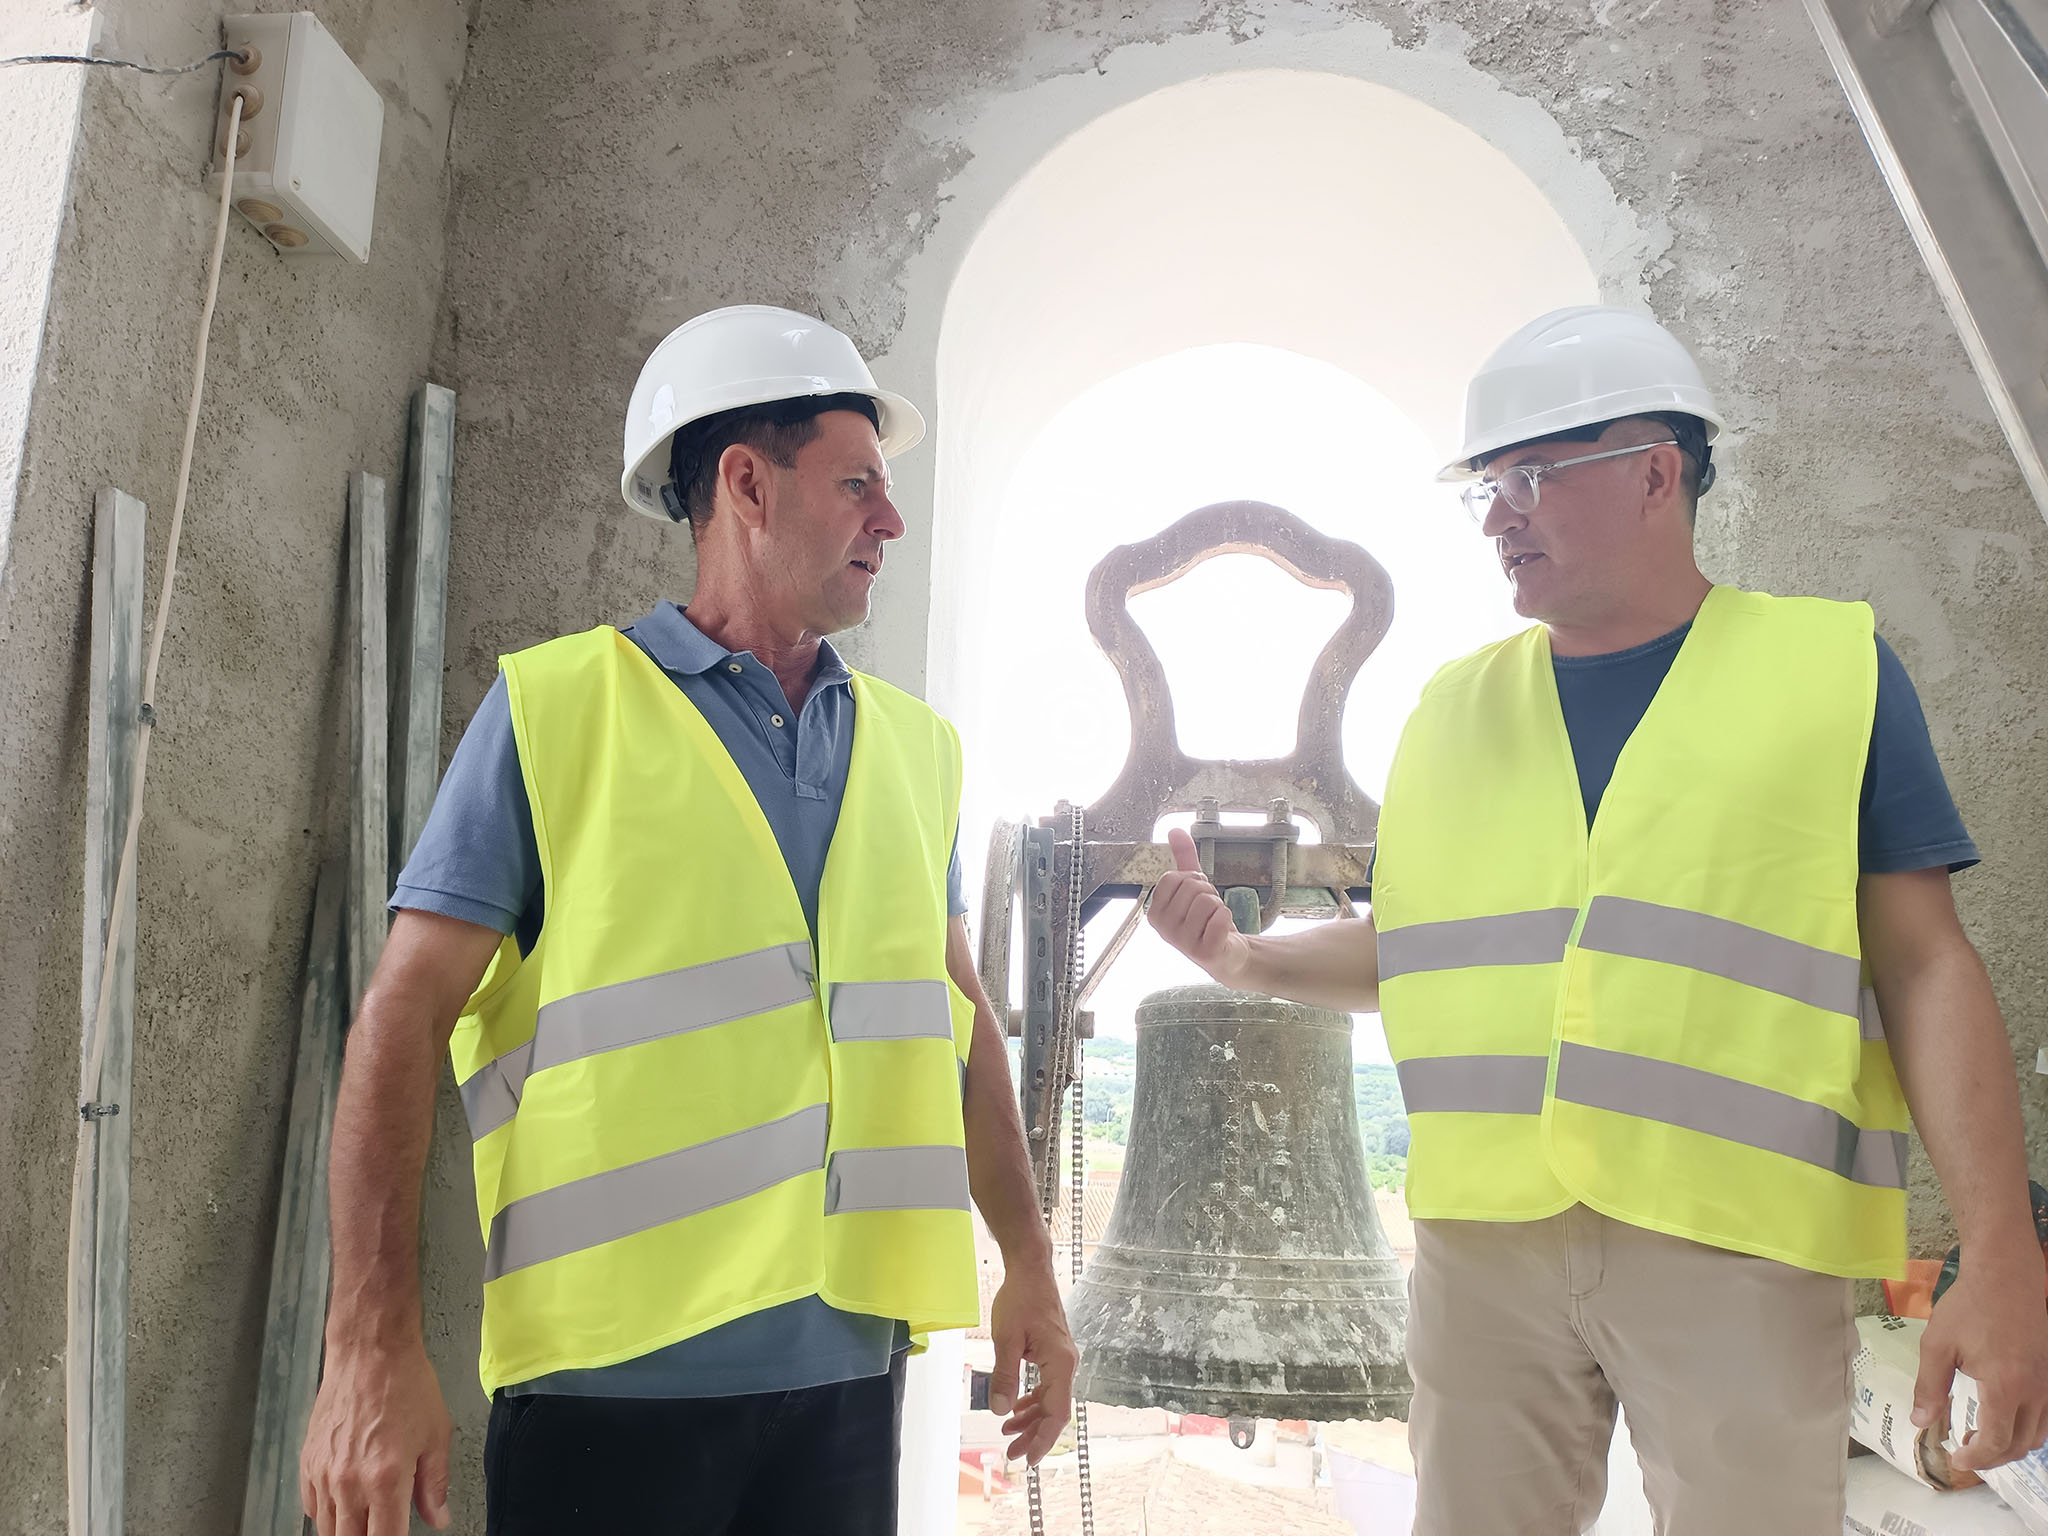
(1266,285)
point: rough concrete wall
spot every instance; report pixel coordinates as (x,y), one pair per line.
(626,164)
(312,366)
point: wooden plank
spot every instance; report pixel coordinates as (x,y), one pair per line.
(112,734)
(369,725)
(289,1372)
(347,936)
(419,619)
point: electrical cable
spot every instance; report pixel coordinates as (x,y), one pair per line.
(148,69)
(78,1361)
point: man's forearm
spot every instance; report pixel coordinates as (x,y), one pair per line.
(998,1162)
(1954,1061)
(383,1124)
(1332,965)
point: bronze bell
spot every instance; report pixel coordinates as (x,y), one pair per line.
(1244,1272)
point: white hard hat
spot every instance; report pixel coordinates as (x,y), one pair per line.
(745,354)
(1574,367)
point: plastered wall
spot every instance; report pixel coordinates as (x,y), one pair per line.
(312,367)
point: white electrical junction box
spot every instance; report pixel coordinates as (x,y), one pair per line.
(312,124)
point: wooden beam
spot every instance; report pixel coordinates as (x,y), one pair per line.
(289,1373)
(419,619)
(1888,18)
(112,732)
(369,846)
(347,936)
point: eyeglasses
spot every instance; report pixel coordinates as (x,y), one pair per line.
(1522,485)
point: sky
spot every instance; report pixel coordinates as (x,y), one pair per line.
(1125,460)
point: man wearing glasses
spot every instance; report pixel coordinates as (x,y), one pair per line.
(1663,940)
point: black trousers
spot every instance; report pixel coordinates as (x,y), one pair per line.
(818,1462)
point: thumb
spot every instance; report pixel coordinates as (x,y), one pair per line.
(430,1485)
(1937,1375)
(1002,1381)
(1184,854)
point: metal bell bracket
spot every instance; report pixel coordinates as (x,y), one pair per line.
(1159,779)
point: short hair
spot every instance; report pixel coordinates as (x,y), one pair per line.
(781,429)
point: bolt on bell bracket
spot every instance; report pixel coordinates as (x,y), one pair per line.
(1277,836)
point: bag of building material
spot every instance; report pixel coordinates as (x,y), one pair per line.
(2023,1484)
(1881,1405)
(1882,1502)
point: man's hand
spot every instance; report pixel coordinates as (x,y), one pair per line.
(1028,1322)
(1993,1324)
(378,1441)
(1192,917)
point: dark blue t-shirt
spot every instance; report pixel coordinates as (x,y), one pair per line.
(1907,820)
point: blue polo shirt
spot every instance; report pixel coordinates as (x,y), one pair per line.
(477,860)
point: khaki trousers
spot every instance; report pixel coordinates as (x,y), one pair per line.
(1734,1372)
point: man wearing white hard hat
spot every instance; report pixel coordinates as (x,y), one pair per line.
(1662,937)
(686,917)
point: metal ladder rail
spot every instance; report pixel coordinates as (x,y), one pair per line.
(1972,185)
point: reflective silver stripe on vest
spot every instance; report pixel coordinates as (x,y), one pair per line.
(1510,938)
(490,1096)
(891,1010)
(671,1003)
(607,1206)
(1617,925)
(1697,1100)
(1485,1085)
(1867,1016)
(634,1012)
(896,1179)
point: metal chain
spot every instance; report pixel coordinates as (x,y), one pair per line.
(1080,1407)
(1077,1225)
(1067,1048)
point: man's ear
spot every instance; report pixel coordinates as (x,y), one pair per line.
(1664,474)
(743,483)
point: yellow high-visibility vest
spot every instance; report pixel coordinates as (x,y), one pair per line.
(683,1111)
(1666,1019)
